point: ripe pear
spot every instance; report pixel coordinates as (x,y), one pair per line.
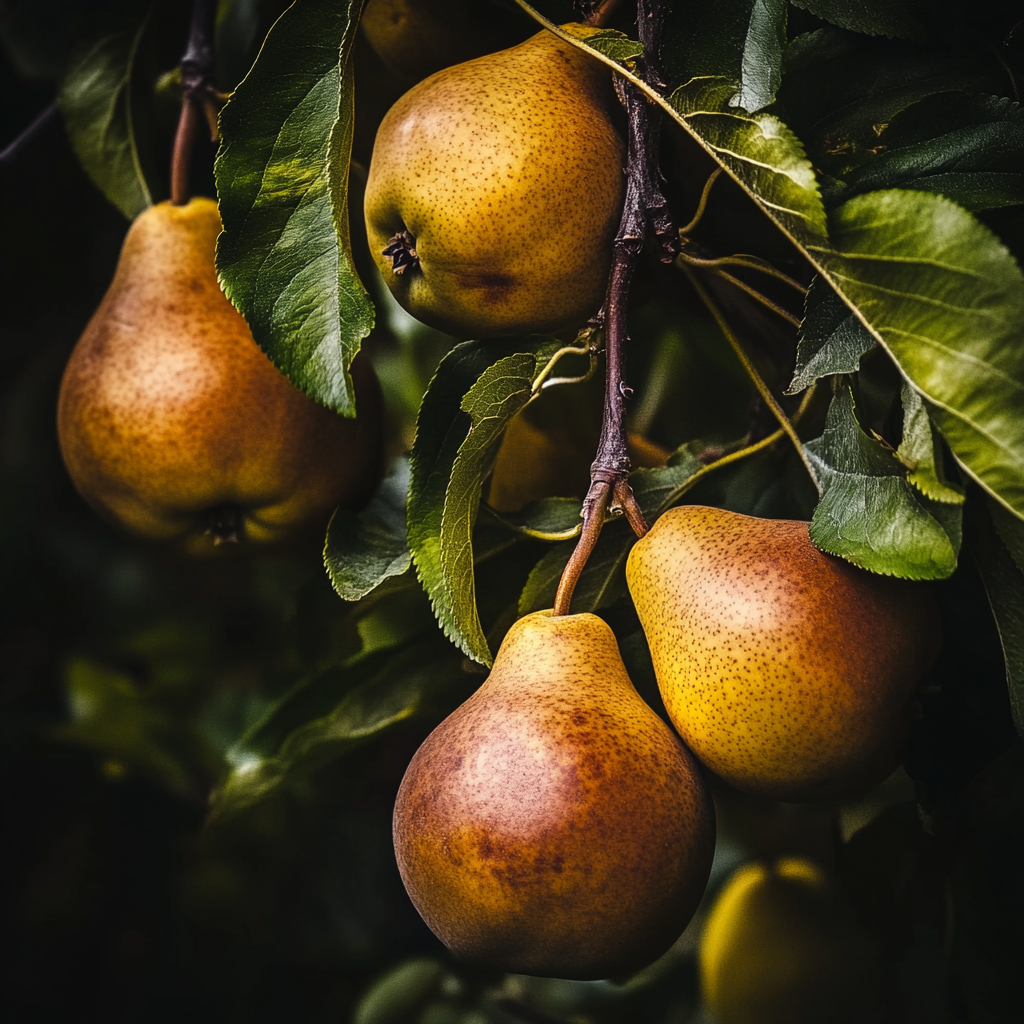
(496,188)
(777,949)
(553,824)
(171,419)
(787,671)
(415,38)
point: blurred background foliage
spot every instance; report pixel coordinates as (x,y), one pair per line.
(134,681)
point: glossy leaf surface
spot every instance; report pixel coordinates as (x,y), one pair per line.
(282,177)
(101,115)
(869,513)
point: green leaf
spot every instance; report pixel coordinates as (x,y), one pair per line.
(603,581)
(921,452)
(1004,584)
(334,713)
(614,44)
(761,68)
(897,19)
(102,117)
(832,340)
(976,190)
(548,519)
(111,715)
(285,256)
(759,151)
(842,92)
(401,995)
(869,514)
(706,38)
(1011,531)
(478,388)
(363,549)
(947,136)
(946,300)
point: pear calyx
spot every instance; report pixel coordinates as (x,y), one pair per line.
(401,250)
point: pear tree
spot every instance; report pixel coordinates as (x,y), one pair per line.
(610,419)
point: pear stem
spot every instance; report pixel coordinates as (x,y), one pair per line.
(645,208)
(598,14)
(199,96)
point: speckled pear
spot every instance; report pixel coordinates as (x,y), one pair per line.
(788,672)
(173,422)
(553,824)
(504,176)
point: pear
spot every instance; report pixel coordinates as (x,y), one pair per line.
(415,38)
(788,672)
(496,187)
(777,948)
(171,419)
(553,824)
(533,463)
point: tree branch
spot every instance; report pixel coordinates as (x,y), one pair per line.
(645,208)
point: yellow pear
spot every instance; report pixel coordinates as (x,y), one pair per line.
(173,422)
(553,824)
(776,948)
(415,38)
(503,177)
(787,671)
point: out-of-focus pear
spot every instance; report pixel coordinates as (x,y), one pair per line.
(777,949)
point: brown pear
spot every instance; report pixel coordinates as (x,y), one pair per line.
(553,824)
(495,191)
(173,422)
(788,672)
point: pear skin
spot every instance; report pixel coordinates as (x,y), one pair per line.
(170,411)
(788,672)
(553,824)
(507,173)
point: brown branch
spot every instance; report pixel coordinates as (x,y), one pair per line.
(644,208)
(199,93)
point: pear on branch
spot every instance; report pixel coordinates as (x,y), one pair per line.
(174,424)
(553,824)
(788,672)
(495,190)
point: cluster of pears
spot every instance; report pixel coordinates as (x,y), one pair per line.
(174,424)
(554,825)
